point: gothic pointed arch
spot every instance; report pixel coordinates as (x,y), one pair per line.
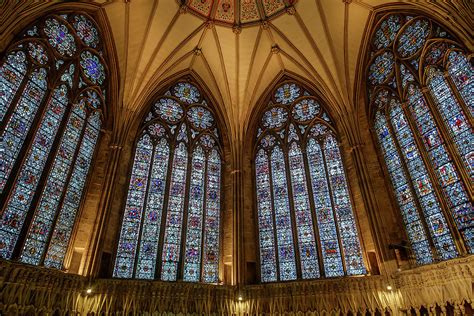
(305,218)
(419,80)
(55,84)
(172,216)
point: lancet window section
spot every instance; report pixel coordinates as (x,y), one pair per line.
(171,223)
(420,84)
(306,221)
(52,88)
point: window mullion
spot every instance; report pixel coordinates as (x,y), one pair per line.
(451,146)
(275,235)
(459,97)
(333,207)
(296,242)
(184,221)
(412,189)
(16,98)
(29,138)
(164,213)
(66,183)
(44,174)
(145,202)
(204,207)
(434,179)
(313,208)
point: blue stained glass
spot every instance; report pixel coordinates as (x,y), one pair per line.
(381,68)
(133,209)
(446,172)
(387,30)
(174,216)
(413,37)
(265,218)
(422,183)
(414,227)
(38,53)
(462,73)
(86,30)
(331,252)
(22,193)
(275,117)
(186,92)
(72,198)
(12,72)
(305,110)
(344,214)
(192,252)
(150,234)
(169,110)
(59,37)
(283,225)
(304,221)
(44,216)
(287,93)
(200,117)
(19,123)
(454,118)
(212,219)
(92,67)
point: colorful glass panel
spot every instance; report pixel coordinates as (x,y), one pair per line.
(150,234)
(86,30)
(287,93)
(192,252)
(20,121)
(59,37)
(265,211)
(125,260)
(342,204)
(274,118)
(72,198)
(403,192)
(302,209)
(413,37)
(169,110)
(381,68)
(283,224)
(12,72)
(212,219)
(22,193)
(430,205)
(325,217)
(462,73)
(187,92)
(92,67)
(174,216)
(387,30)
(305,110)
(446,172)
(454,118)
(200,117)
(45,213)
(37,53)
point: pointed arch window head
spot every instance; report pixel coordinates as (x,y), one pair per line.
(52,89)
(171,222)
(420,83)
(306,223)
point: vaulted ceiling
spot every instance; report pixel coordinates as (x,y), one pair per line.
(319,40)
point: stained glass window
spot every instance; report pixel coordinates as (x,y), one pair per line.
(306,223)
(40,124)
(415,118)
(171,222)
